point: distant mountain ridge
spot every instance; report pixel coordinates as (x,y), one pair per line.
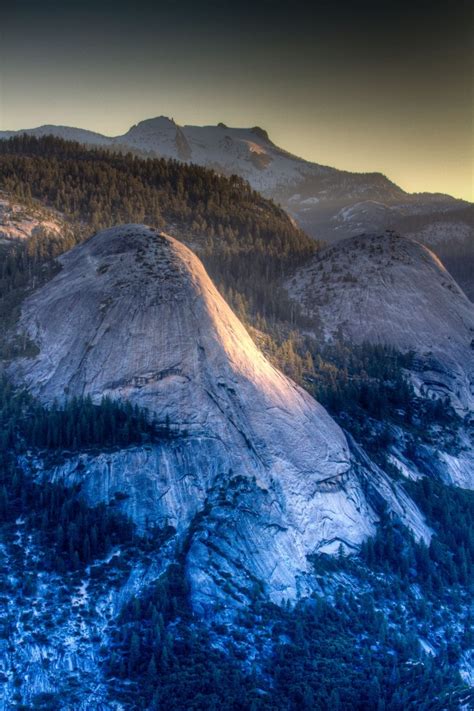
(327,202)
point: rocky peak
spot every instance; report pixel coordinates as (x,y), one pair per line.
(261,133)
(156,123)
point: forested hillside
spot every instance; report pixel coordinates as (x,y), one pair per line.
(245,240)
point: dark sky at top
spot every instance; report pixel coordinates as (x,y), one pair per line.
(359,85)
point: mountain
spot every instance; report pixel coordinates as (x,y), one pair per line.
(328,203)
(66,132)
(386,289)
(143,550)
(133,316)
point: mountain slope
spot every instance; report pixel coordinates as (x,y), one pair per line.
(252,457)
(235,481)
(70,134)
(327,202)
(245,240)
(385,289)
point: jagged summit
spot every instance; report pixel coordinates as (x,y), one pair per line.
(159,136)
(388,289)
(219,147)
(148,127)
(157,121)
(132,314)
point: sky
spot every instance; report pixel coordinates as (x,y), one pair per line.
(363,86)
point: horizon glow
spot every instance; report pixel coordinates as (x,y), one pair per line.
(368,88)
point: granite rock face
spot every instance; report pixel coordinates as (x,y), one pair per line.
(385,289)
(256,477)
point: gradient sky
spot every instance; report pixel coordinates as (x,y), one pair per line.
(358,85)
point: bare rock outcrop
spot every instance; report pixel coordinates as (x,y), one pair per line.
(386,289)
(257,475)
